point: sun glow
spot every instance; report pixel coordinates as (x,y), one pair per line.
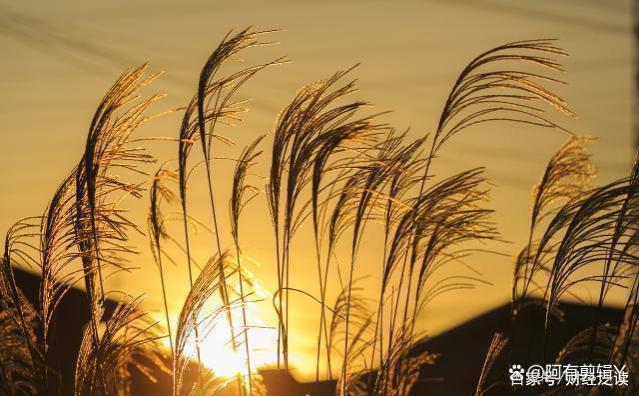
(218,354)
(216,346)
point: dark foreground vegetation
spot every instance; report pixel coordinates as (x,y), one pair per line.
(335,166)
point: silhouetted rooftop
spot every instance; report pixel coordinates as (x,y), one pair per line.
(461,349)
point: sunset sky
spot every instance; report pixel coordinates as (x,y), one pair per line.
(59,58)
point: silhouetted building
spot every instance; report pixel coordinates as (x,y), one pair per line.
(463,348)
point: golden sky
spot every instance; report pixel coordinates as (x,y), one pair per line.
(58,59)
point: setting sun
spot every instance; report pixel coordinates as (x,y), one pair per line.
(218,354)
